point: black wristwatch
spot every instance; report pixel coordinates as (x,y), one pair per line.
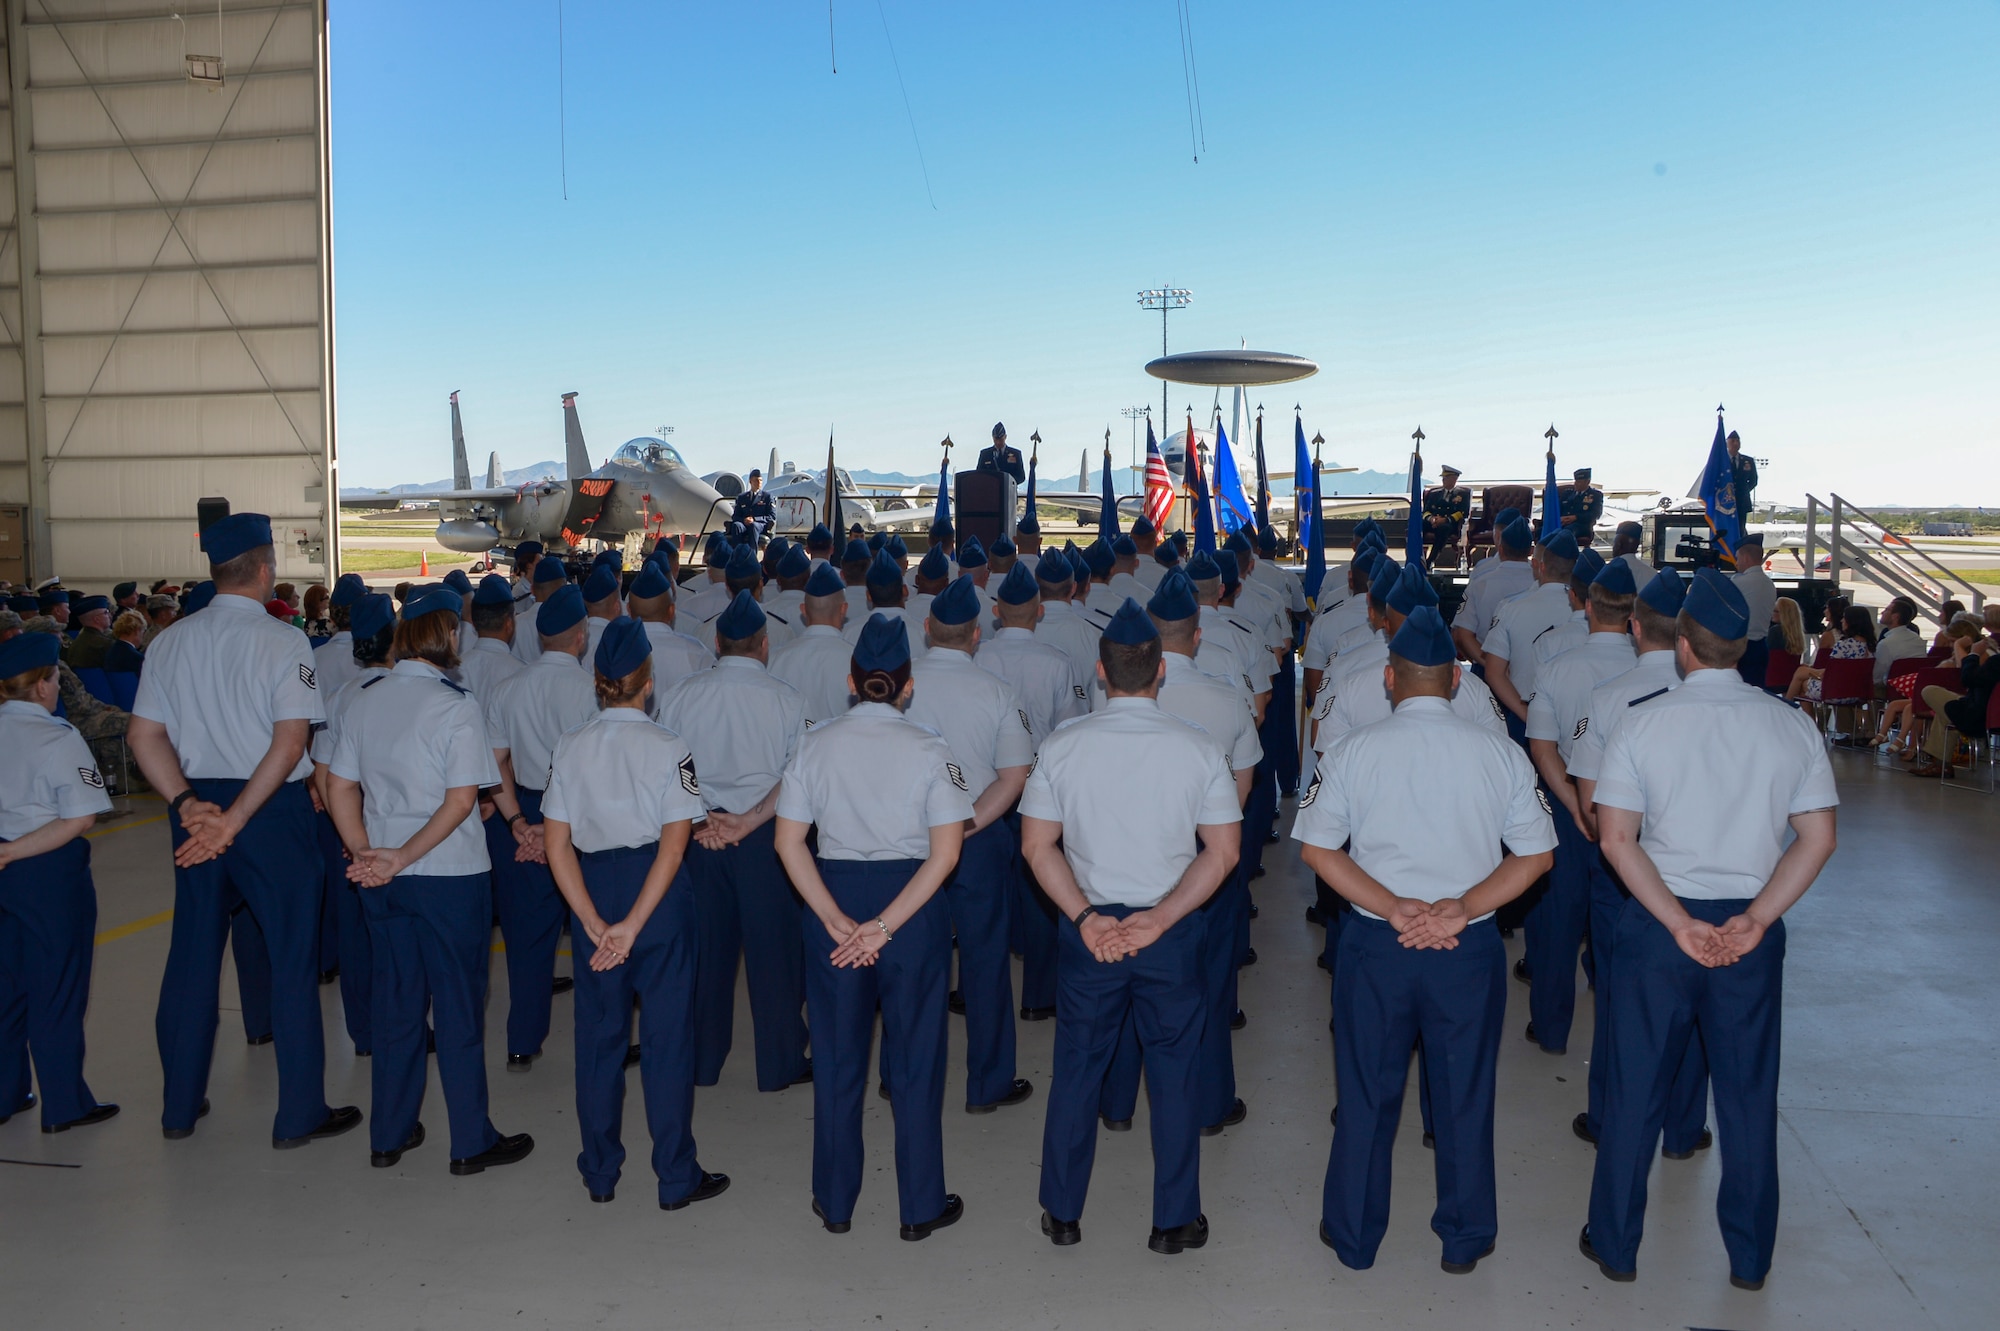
(1083,915)
(174,804)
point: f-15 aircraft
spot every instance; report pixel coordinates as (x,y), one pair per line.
(644,487)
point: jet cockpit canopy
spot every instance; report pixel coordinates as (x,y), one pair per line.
(648,452)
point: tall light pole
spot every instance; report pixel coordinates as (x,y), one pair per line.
(1133,414)
(1166,300)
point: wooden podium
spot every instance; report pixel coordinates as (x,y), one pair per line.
(983,506)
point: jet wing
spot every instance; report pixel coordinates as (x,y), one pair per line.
(402,497)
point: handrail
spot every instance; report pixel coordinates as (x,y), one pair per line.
(1883,564)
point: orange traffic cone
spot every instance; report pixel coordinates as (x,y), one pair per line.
(424,564)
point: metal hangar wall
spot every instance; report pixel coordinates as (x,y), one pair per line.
(166,283)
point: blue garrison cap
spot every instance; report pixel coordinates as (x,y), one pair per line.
(1166,554)
(1018,587)
(493,590)
(820,537)
(431,600)
(622,648)
(198,596)
(825,581)
(777,547)
(1588,565)
(28,651)
(1517,535)
(459,582)
(1097,557)
(1616,578)
(1131,626)
(941,528)
(1383,579)
(1053,568)
(26,606)
(1505,516)
(883,644)
(1143,526)
(971,554)
(1561,546)
(742,565)
(877,540)
(1173,600)
(652,581)
(1411,590)
(1267,541)
(611,557)
(1029,524)
(742,619)
(1203,567)
(561,612)
(1365,559)
(897,547)
(934,564)
(1666,593)
(854,552)
(601,583)
(349,588)
(1423,640)
(550,569)
(1232,572)
(1717,604)
(1004,548)
(372,613)
(715,550)
(1123,548)
(882,571)
(83,605)
(795,563)
(956,604)
(527,552)
(1238,543)
(237,534)
(1365,526)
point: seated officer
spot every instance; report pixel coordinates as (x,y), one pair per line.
(1582,507)
(1128,859)
(1445,508)
(1701,944)
(753,507)
(1421,961)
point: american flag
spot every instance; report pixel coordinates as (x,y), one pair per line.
(1159,484)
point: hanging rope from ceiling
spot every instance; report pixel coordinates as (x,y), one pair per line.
(911,115)
(1191,81)
(562,104)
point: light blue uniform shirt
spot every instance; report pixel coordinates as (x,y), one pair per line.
(486,667)
(1653,675)
(49,773)
(675,656)
(532,709)
(1045,681)
(1362,699)
(816,663)
(324,740)
(743,724)
(875,783)
(333,663)
(617,779)
(1520,621)
(1561,707)
(976,713)
(221,680)
(1063,627)
(1485,591)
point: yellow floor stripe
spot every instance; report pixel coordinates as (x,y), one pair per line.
(127,930)
(120,827)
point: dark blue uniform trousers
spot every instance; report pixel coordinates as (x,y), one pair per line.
(432,937)
(1387,997)
(1552,933)
(1660,998)
(908,982)
(978,897)
(1687,1103)
(48,916)
(274,869)
(352,949)
(744,904)
(253,972)
(1160,991)
(1282,725)
(660,975)
(1034,930)
(531,915)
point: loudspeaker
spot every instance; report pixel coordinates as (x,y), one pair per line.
(208,512)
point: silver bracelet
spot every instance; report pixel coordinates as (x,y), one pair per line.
(887,937)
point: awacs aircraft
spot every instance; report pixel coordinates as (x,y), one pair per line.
(645,487)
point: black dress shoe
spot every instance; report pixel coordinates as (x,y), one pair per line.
(384,1159)
(329,976)
(1506,932)
(954,1208)
(1325,1237)
(255,1041)
(1580,1125)
(1701,1143)
(344,1119)
(1062,1233)
(1522,973)
(1115,1124)
(363,1053)
(1249,958)
(1751,1285)
(1038,1013)
(1253,910)
(1320,961)
(1181,1237)
(520,1062)
(95,1116)
(803,1079)
(430,1040)
(632,1056)
(1464,1268)
(1430,1141)
(1333,1116)
(1238,1021)
(182,1134)
(1237,1113)
(1312,914)
(1583,1246)
(505,1151)
(712,1185)
(1256,873)
(608,1195)
(882,1089)
(1272,838)
(832,1226)
(21,1108)
(955,1002)
(1021,1090)
(1530,1034)
(561,984)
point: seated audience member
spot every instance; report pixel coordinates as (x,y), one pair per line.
(1961,714)
(318,618)
(125,656)
(1854,640)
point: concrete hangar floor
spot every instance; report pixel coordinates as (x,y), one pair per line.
(1889,1141)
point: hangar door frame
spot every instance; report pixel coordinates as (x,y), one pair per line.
(166,282)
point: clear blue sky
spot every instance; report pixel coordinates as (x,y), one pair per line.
(1476,217)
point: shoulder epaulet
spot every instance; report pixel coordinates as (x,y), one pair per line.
(454,686)
(1233,624)
(1647,697)
(1538,637)
(371,683)
(772,614)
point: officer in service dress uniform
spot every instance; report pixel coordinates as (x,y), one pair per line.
(1582,507)
(1446,506)
(219,728)
(1701,944)
(622,798)
(890,811)
(50,795)
(815,663)
(1003,458)
(404,783)
(524,718)
(743,725)
(1128,860)
(992,744)
(1422,962)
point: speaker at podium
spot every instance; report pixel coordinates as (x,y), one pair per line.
(983,505)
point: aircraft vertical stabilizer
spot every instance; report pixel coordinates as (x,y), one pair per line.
(461,475)
(586,496)
(495,478)
(577,456)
